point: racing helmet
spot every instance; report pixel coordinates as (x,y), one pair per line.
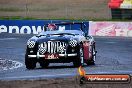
(52,27)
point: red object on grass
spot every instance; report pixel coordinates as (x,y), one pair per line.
(114,4)
(117,1)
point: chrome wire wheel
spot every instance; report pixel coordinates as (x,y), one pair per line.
(94,53)
(81,56)
(93,58)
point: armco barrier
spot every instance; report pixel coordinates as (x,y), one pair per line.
(110,29)
(29,26)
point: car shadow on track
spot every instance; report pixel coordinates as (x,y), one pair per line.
(63,67)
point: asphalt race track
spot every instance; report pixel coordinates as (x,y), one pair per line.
(114,57)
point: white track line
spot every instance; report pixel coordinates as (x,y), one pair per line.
(38,77)
(8,38)
(16,65)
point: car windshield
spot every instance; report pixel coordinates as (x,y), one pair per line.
(63,26)
(64,34)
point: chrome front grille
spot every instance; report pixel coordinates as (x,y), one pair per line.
(52,47)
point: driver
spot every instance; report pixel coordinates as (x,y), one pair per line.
(52,27)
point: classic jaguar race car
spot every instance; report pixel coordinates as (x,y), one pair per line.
(55,45)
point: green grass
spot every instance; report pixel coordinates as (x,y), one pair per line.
(11,10)
(72,19)
(7,9)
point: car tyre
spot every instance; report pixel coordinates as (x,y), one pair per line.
(30,62)
(79,60)
(92,61)
(43,63)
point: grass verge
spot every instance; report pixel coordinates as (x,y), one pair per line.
(72,19)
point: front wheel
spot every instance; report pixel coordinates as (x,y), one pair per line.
(43,63)
(79,60)
(30,62)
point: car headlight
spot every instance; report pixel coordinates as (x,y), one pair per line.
(31,44)
(42,50)
(73,43)
(61,49)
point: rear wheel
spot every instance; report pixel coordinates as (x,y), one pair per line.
(30,62)
(93,58)
(79,60)
(94,54)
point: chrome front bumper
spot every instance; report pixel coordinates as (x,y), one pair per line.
(60,55)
